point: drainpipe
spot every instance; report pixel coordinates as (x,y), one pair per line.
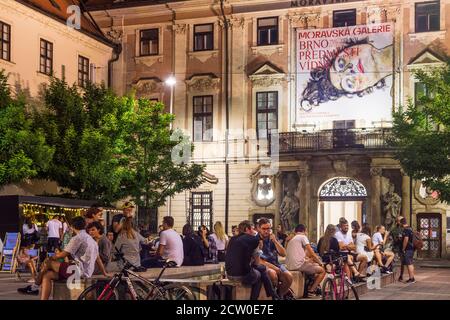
(117,49)
(227,117)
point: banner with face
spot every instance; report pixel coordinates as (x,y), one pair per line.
(344,74)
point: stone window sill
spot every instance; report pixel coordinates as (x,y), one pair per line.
(430,36)
(8,63)
(268,50)
(203,55)
(149,60)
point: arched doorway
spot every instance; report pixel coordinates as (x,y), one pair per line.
(341,197)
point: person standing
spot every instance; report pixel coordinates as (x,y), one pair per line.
(119,219)
(407,252)
(30,232)
(129,243)
(221,240)
(54,233)
(192,248)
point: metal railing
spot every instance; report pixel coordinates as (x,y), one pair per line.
(336,139)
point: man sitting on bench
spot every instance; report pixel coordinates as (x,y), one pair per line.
(84,251)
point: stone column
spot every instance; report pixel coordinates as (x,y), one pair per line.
(180,32)
(304,189)
(375,212)
(405,196)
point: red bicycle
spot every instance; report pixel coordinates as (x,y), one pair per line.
(337,286)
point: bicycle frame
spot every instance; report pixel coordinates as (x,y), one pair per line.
(125,275)
(333,276)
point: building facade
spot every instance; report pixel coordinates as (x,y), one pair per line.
(288,103)
(35,43)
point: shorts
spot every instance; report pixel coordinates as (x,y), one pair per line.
(310,268)
(407,257)
(62,273)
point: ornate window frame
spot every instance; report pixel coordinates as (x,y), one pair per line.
(340,188)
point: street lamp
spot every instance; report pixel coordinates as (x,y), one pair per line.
(171,82)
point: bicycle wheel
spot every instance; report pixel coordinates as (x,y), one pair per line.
(328,290)
(94,291)
(178,292)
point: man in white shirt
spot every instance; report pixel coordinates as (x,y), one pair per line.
(346,245)
(54,233)
(300,256)
(170,247)
(84,251)
(379,238)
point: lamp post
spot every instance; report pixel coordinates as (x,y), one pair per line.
(171,81)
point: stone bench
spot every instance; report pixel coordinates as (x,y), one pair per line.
(62,292)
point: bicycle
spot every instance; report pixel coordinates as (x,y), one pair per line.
(137,289)
(337,285)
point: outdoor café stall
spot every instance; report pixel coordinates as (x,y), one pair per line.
(14,209)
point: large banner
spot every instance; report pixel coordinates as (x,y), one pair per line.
(344,74)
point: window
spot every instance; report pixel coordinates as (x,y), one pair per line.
(203,37)
(267,31)
(5,41)
(83,71)
(344,18)
(149,40)
(46,57)
(266,112)
(203,118)
(200,209)
(427,16)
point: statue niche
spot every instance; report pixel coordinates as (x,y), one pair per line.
(391,206)
(289,208)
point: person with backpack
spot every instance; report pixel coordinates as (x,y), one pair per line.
(407,252)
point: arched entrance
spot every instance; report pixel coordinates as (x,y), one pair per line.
(341,197)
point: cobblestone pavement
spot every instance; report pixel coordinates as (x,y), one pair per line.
(432,284)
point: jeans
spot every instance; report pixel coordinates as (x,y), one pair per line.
(253,279)
(154,262)
(265,279)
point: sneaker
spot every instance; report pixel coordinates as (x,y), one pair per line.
(28,290)
(411,280)
(400,279)
(31,281)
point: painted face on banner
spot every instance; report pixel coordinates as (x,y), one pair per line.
(359,67)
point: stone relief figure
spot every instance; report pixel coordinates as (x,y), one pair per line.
(288,210)
(290,205)
(392,204)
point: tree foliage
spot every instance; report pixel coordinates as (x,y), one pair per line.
(109,147)
(422,132)
(155,155)
(24,153)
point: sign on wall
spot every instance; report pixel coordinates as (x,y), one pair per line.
(344,73)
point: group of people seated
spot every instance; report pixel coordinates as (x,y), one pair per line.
(253,253)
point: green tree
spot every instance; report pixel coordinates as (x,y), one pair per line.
(158,158)
(422,132)
(86,132)
(24,153)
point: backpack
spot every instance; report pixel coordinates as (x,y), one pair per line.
(417,241)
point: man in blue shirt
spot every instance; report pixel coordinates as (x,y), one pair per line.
(271,248)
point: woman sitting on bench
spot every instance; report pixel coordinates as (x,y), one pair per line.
(28,260)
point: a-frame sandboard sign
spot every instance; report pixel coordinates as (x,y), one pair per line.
(11,245)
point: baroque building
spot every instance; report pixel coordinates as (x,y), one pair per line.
(288,103)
